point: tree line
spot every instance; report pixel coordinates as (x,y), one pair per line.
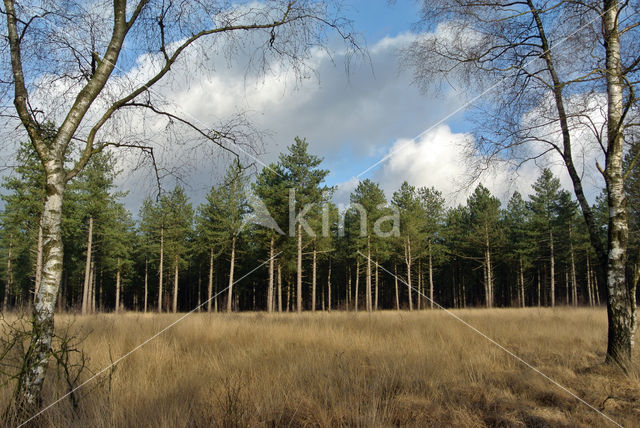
(277,242)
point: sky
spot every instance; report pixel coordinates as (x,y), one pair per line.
(371,121)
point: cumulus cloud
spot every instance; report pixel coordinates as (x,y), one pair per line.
(445,159)
(348,117)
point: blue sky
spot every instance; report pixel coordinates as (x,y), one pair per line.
(377,19)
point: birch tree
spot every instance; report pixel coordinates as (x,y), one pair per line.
(80,48)
(542,66)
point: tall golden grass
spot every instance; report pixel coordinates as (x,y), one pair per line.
(345,369)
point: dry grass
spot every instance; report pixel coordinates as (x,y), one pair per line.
(343,369)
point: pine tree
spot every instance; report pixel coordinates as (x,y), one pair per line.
(566,219)
(269,211)
(520,242)
(433,211)
(118,242)
(221,219)
(484,213)
(371,203)
(178,215)
(94,193)
(304,180)
(543,203)
(21,220)
(406,201)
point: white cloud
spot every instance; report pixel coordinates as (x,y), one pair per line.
(440,158)
(363,110)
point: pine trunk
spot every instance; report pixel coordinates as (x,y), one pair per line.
(161,269)
(395,282)
(552,266)
(231,268)
(566,284)
(489,274)
(523,302)
(355,306)
(271,275)
(176,267)
(9,284)
(87,269)
(589,281)
(539,280)
(329,287)
(574,282)
(92,288)
(420,292)
(299,271)
(408,263)
(376,296)
(279,288)
(146,285)
(348,296)
(313,280)
(368,282)
(210,281)
(430,276)
(118,286)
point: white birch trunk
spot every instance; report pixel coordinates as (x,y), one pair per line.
(38,259)
(619,305)
(29,387)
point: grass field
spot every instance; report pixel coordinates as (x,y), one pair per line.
(344,369)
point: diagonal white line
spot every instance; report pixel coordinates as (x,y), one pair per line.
(472,101)
(137,347)
(492,341)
